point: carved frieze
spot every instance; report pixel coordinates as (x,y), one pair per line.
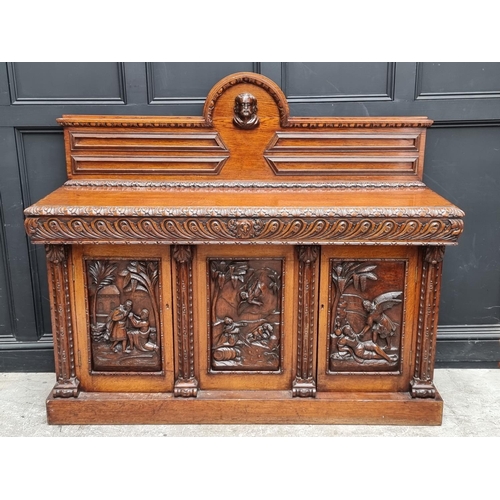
(124,317)
(360,213)
(404,229)
(366,315)
(245,314)
(217,185)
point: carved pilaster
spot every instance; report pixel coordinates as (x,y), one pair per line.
(186,384)
(67,384)
(422,385)
(304,384)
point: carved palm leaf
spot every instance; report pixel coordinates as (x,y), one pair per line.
(136,278)
(102,273)
(219,270)
(152,272)
(356,273)
(237,272)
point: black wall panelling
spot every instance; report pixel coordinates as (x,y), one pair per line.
(38,149)
(6,303)
(457,81)
(462,164)
(51,83)
(319,82)
(188,82)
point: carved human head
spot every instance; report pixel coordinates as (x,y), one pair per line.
(245,111)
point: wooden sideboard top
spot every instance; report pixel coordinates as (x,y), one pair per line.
(245,171)
(144,215)
(271,202)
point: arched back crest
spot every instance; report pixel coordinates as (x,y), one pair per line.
(245,134)
(251,78)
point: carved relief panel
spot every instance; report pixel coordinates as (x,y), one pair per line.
(366,297)
(123,303)
(365,315)
(245,313)
(248,316)
(123,298)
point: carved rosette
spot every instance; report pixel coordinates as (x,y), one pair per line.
(186,384)
(67,384)
(422,385)
(304,384)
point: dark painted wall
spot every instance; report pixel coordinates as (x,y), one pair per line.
(462,164)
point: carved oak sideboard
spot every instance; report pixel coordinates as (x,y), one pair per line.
(244,266)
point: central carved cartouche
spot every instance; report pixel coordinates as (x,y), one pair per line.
(245,111)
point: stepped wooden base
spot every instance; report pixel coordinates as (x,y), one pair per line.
(271,407)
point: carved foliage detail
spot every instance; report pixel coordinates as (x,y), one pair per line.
(219,229)
(182,253)
(245,314)
(124,315)
(245,228)
(366,315)
(55,253)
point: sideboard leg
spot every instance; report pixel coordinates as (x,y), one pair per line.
(304,384)
(422,385)
(186,384)
(67,385)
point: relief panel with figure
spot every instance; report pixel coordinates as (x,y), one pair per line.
(123,298)
(366,315)
(245,311)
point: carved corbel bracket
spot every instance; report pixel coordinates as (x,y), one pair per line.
(422,385)
(67,384)
(186,384)
(304,384)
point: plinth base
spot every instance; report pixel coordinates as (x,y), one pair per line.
(252,407)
